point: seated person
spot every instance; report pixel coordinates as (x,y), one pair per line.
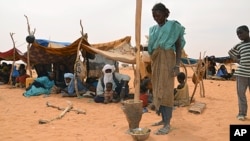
(41,70)
(69,91)
(109,93)
(212,65)
(61,69)
(21,79)
(181,93)
(14,75)
(41,85)
(4,73)
(222,72)
(144,97)
(120,84)
(146,82)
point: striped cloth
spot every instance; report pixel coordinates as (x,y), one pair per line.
(241,52)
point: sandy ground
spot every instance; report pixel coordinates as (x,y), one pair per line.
(19,117)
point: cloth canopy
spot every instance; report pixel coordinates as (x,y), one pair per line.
(11,55)
(45,51)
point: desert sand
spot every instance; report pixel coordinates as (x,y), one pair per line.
(19,116)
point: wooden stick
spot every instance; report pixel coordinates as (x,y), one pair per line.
(78,111)
(77,61)
(70,106)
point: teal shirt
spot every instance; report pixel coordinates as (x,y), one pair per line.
(165,36)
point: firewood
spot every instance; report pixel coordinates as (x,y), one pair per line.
(78,111)
(70,106)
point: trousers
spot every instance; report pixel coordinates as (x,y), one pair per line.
(242,84)
(166,113)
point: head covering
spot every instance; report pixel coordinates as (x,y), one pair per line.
(108,66)
(108,77)
(69,75)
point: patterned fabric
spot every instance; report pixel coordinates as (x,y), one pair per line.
(119,50)
(43,53)
(242,53)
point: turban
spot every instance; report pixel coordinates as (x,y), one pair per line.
(69,75)
(108,66)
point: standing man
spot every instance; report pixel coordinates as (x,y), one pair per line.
(164,47)
(241,53)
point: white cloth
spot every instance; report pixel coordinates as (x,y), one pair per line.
(68,75)
(108,77)
(108,66)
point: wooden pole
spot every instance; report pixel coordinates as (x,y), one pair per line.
(77,61)
(28,46)
(14,58)
(138,44)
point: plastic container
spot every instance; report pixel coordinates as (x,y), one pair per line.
(29,81)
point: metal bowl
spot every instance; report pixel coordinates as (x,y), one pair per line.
(140,134)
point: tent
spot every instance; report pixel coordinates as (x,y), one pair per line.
(224,60)
(189,61)
(46,51)
(11,55)
(52,52)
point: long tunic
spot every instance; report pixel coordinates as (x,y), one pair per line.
(161,47)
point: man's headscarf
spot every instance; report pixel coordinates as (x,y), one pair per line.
(108,77)
(68,75)
(108,66)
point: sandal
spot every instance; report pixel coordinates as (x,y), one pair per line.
(163,131)
(158,123)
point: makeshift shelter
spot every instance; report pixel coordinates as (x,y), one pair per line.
(11,55)
(52,52)
(224,60)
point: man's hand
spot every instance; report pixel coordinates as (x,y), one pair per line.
(176,70)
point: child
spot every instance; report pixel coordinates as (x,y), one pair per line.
(109,93)
(21,79)
(181,93)
(146,82)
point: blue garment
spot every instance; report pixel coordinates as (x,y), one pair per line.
(71,86)
(160,37)
(221,73)
(35,91)
(15,72)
